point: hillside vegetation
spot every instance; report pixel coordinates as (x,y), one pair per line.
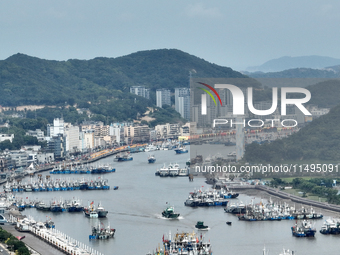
(28,80)
(102,84)
(319,140)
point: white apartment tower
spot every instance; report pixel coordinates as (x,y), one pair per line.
(182,102)
(140,91)
(72,138)
(163,96)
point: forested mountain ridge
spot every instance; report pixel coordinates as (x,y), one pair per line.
(30,80)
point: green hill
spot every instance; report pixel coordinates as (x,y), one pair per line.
(325,94)
(101,84)
(319,140)
(29,80)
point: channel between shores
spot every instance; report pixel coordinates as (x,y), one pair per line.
(284,195)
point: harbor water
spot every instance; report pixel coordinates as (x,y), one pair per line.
(135,212)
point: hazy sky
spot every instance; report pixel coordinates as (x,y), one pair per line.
(234,33)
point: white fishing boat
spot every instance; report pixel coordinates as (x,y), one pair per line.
(150,148)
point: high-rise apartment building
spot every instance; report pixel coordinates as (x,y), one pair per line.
(163,96)
(182,102)
(140,91)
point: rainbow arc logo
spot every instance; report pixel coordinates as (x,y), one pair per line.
(204,97)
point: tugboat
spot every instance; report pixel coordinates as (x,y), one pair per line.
(169,213)
(102,233)
(304,230)
(200,225)
(151,159)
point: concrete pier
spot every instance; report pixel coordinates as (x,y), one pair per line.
(47,241)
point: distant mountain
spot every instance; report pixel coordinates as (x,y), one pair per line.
(297,77)
(284,63)
(298,73)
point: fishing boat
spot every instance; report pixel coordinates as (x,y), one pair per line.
(287,252)
(181,150)
(206,198)
(169,213)
(49,223)
(74,206)
(303,230)
(330,227)
(90,211)
(122,158)
(151,159)
(100,232)
(43,207)
(83,185)
(101,211)
(184,243)
(200,225)
(284,252)
(57,207)
(150,148)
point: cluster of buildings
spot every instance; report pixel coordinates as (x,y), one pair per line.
(163,97)
(64,139)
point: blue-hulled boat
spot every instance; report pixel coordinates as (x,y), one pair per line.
(125,157)
(181,150)
(303,230)
(151,159)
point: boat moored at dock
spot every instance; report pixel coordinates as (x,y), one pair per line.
(206,198)
(305,229)
(184,243)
